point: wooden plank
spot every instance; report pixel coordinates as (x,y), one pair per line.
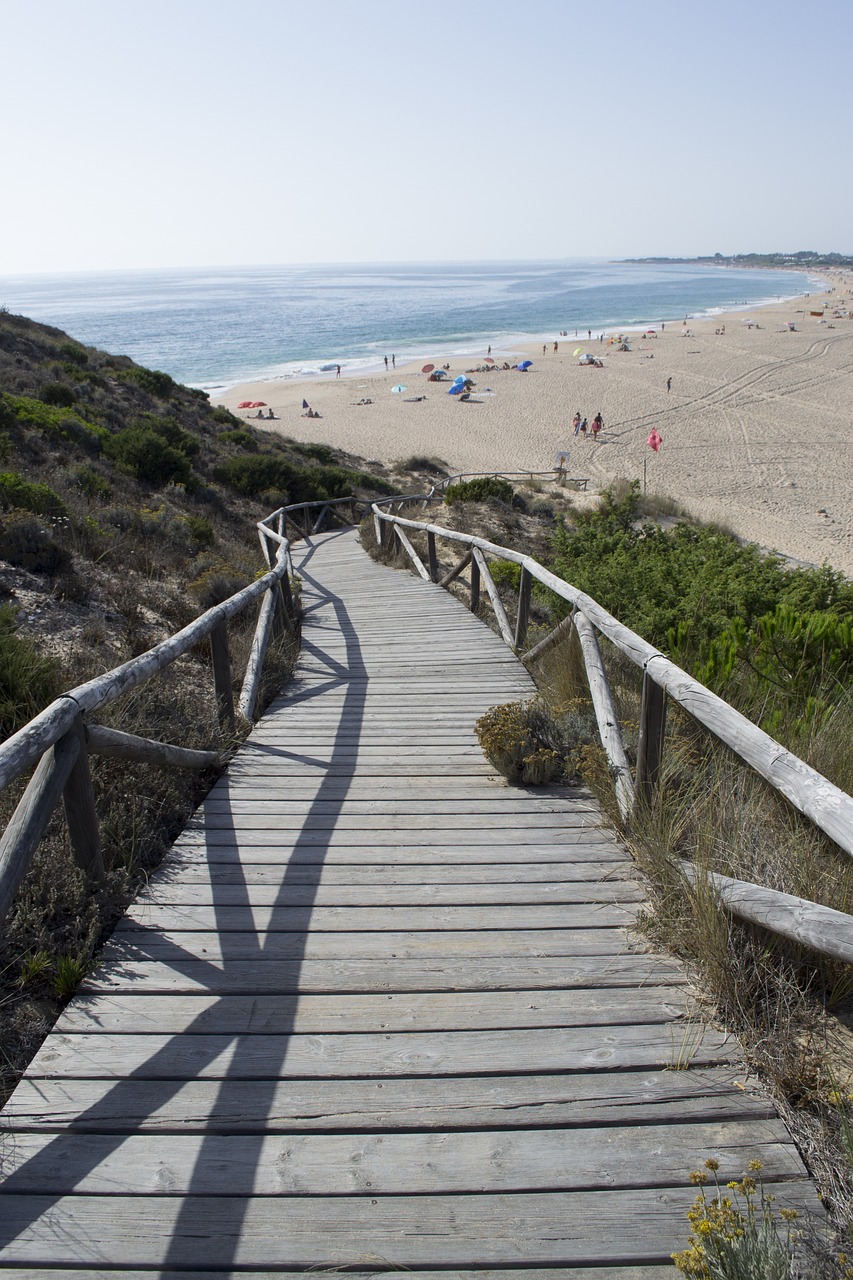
(711,1094)
(276,919)
(413,1164)
(299,894)
(392,1011)
(266,975)
(135,940)
(192,872)
(232,1273)
(560,1228)
(263,1057)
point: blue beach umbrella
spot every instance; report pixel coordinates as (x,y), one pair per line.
(399,387)
(525,365)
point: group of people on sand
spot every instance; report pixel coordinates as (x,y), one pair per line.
(581,426)
(265,416)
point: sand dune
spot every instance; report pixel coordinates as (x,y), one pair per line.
(757,428)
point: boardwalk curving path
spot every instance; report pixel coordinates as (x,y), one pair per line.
(379,1010)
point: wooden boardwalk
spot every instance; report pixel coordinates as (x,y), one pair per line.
(379,1010)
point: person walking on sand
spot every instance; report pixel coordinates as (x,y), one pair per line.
(556,347)
(393,362)
(576,421)
(668,385)
(337,370)
(583,428)
(386,364)
(597,424)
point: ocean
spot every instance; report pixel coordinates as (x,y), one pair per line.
(216,327)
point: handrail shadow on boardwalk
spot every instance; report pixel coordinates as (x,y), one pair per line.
(171,1059)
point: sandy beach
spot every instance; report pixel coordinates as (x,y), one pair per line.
(757,427)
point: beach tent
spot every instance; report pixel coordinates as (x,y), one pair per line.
(525,365)
(395,391)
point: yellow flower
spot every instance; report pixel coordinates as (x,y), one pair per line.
(789,1215)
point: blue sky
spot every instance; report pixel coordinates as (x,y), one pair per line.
(222,132)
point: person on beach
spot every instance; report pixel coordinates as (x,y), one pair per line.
(544,348)
(386,364)
(576,421)
(556,347)
(668,385)
(393,362)
(597,424)
(583,428)
(489,351)
(589,335)
(337,370)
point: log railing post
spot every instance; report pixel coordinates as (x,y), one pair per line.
(27,826)
(433,558)
(222,676)
(475,585)
(80,813)
(523,616)
(650,746)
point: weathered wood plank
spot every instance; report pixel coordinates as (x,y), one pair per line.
(561,1228)
(510,1102)
(176,893)
(360,976)
(609,1159)
(136,940)
(407,1011)
(275,919)
(219,1057)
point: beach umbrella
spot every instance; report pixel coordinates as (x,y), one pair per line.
(525,365)
(305,404)
(655,440)
(258,404)
(399,387)
(489,360)
(577,351)
(244,404)
(428,368)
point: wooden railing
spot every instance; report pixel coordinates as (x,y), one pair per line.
(60,739)
(828,807)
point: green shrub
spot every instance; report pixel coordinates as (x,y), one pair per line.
(319,452)
(225,417)
(51,420)
(203,532)
(479,490)
(265,473)
(242,439)
(150,380)
(143,452)
(57,393)
(26,495)
(73,354)
(92,484)
(25,542)
(28,681)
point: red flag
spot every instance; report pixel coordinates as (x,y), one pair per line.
(655,440)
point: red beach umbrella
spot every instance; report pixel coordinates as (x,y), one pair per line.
(428,368)
(489,360)
(245,404)
(258,404)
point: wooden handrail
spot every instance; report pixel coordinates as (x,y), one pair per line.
(826,805)
(58,742)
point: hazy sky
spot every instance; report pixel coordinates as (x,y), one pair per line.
(221,132)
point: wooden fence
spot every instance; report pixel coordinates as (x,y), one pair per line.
(829,808)
(60,739)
